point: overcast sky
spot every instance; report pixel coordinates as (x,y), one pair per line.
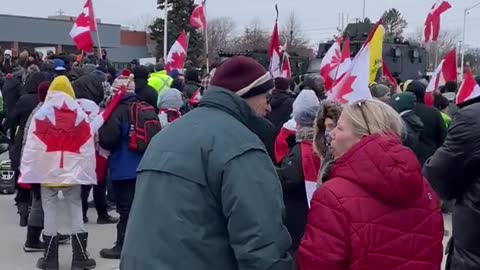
(319,19)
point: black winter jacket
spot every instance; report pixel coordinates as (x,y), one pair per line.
(414,127)
(12,90)
(433,134)
(281,109)
(19,117)
(89,87)
(145,92)
(264,129)
(453,171)
(294,195)
(190,88)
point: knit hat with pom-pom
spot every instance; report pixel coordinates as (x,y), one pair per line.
(122,80)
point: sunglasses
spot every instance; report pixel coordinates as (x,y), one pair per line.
(361,105)
(269,98)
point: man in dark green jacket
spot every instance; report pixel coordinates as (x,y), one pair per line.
(211,201)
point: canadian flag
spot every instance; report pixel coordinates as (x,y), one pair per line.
(198,19)
(82,27)
(345,63)
(445,72)
(178,53)
(281,147)
(469,89)
(431,29)
(354,84)
(274,53)
(310,168)
(286,68)
(330,62)
(60,145)
(389,76)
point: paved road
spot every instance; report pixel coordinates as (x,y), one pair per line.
(12,238)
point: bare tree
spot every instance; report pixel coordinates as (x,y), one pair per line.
(142,22)
(254,37)
(447,41)
(472,59)
(220,35)
(292,33)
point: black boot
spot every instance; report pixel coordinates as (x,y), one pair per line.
(106,219)
(23,211)
(80,258)
(33,243)
(115,251)
(50,257)
(112,253)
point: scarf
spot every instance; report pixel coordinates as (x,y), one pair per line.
(310,161)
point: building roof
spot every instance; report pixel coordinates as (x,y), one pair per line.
(50,31)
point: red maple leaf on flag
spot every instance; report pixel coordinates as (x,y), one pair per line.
(177,60)
(346,88)
(63,136)
(336,60)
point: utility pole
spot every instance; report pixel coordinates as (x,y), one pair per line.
(465,13)
(364,2)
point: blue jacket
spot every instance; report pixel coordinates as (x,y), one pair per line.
(122,163)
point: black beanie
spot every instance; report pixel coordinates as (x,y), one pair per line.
(141,72)
(418,88)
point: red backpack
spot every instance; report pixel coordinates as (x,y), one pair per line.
(144,124)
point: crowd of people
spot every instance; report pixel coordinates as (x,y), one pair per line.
(32,87)
(239,170)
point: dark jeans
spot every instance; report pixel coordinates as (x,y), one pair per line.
(23,196)
(99,198)
(35,219)
(124,191)
(110,195)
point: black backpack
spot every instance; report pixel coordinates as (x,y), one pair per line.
(144,124)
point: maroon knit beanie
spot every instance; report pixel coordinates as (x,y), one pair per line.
(244,76)
(42,90)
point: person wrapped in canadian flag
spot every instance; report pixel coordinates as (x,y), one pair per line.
(298,170)
(59,154)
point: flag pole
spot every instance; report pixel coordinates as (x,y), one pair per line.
(276,10)
(276,26)
(165,32)
(98,35)
(99,44)
(206,37)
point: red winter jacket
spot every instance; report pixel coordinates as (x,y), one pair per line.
(376,213)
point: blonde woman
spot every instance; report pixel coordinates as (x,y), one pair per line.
(376,211)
